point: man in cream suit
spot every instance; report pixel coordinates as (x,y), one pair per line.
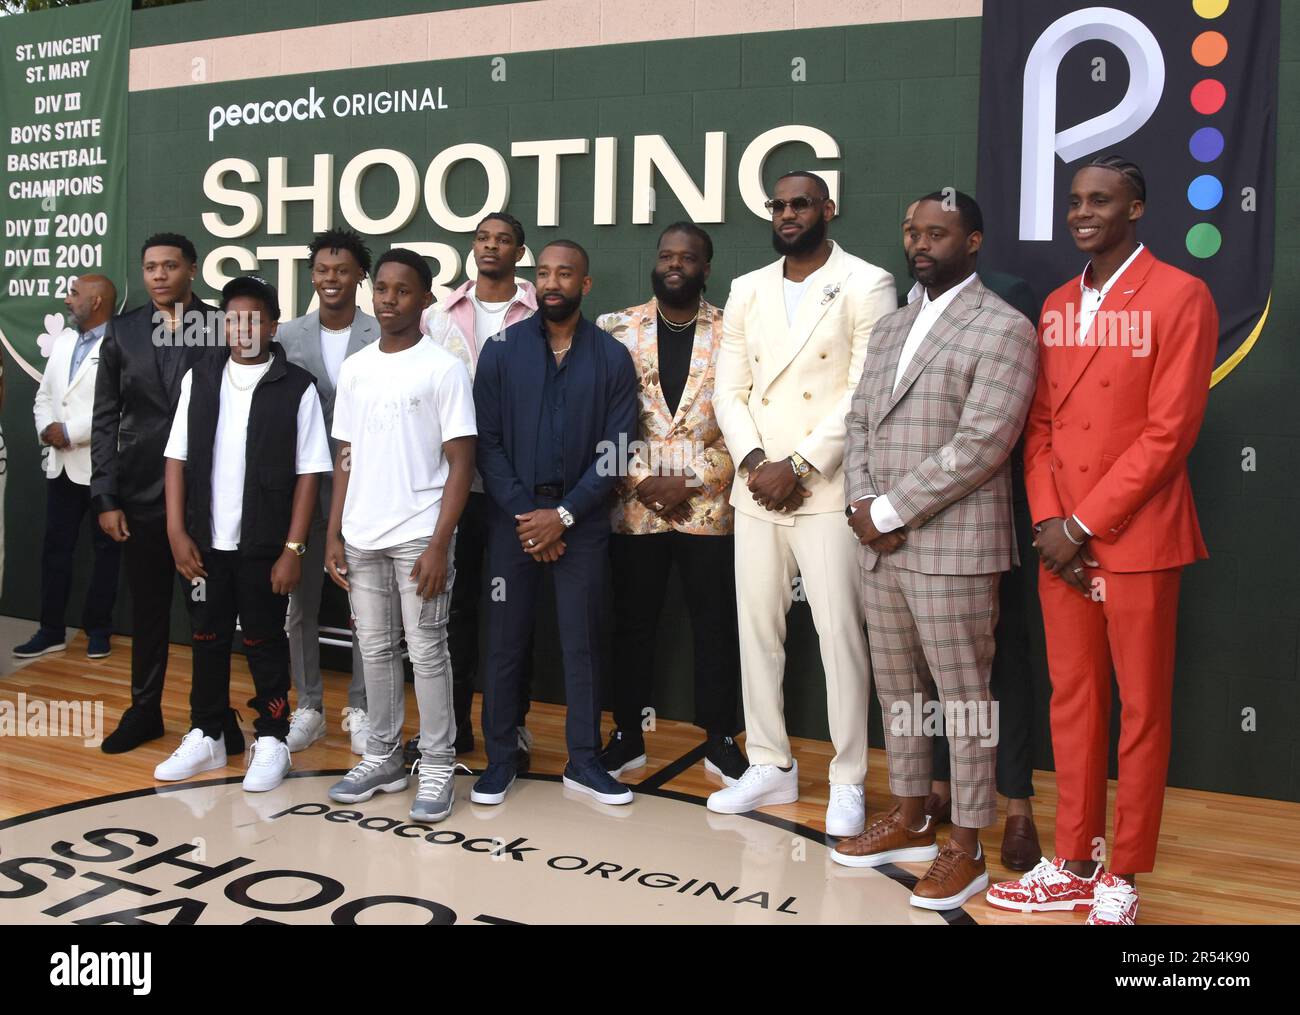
(63,409)
(319,342)
(794,340)
(942,400)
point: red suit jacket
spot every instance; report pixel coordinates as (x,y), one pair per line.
(1114,419)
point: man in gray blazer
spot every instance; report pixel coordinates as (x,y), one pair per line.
(942,400)
(319,342)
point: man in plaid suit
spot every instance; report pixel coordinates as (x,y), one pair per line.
(942,400)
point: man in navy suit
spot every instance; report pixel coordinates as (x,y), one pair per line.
(556,401)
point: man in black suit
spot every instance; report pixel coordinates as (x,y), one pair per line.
(556,400)
(144,355)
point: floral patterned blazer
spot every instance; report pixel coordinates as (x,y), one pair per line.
(690,439)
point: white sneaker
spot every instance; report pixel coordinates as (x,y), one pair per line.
(846,814)
(269,765)
(356,722)
(196,754)
(306,726)
(760,786)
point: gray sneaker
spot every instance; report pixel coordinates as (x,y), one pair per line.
(373,773)
(437,790)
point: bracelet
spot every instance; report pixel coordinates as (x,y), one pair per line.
(1065,527)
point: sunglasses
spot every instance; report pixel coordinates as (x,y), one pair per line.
(799,204)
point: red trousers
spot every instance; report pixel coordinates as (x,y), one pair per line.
(1130,629)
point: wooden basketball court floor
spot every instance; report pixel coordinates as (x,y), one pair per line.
(1223,859)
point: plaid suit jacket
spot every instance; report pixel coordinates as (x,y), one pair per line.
(939,443)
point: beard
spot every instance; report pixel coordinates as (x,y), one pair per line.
(560,311)
(686,295)
(805,243)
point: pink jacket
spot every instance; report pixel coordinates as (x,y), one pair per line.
(451,323)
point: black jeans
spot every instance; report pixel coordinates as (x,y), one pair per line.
(151,577)
(463,621)
(66,503)
(238,586)
(708,572)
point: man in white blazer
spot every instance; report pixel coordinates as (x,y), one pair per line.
(794,341)
(63,409)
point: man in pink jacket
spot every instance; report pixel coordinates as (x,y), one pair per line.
(473,315)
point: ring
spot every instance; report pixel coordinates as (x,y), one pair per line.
(657,506)
(1078,570)
(531,543)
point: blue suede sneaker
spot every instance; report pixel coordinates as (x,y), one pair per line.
(494,784)
(98,646)
(592,779)
(41,642)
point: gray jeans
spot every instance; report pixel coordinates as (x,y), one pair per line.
(302,625)
(374,577)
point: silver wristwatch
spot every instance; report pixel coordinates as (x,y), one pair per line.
(565,517)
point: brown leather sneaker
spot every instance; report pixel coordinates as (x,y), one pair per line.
(953,878)
(1020,846)
(887,839)
(940,810)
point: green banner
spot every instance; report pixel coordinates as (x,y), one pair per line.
(63,86)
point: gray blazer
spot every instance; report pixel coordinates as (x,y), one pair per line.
(301,340)
(940,444)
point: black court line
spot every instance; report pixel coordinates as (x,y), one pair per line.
(954,917)
(671,770)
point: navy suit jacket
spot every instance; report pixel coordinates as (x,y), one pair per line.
(600,417)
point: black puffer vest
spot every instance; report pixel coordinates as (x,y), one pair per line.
(270,455)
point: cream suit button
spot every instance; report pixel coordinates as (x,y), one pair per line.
(807,394)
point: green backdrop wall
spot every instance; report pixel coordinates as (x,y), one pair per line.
(902,101)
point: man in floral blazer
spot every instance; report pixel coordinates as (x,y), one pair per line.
(673,507)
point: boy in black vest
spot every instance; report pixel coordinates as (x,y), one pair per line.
(246,444)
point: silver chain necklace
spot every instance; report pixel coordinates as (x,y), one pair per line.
(679,328)
(247,387)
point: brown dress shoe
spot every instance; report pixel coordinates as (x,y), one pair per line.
(887,839)
(1020,846)
(940,810)
(953,878)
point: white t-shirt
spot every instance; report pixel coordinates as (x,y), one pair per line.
(230,445)
(334,350)
(489,318)
(793,296)
(397,409)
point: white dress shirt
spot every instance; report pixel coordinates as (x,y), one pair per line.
(883,515)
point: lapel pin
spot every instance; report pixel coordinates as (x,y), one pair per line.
(829,293)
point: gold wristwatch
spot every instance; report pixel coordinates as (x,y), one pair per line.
(298,548)
(800,465)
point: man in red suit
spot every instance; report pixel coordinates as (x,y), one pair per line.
(1127,350)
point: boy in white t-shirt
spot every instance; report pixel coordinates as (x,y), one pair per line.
(404,423)
(247,444)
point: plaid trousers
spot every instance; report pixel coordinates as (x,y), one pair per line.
(935,631)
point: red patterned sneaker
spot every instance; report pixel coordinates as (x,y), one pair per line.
(1047,887)
(1115,903)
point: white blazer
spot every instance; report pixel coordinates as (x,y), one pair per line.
(70,403)
(787,388)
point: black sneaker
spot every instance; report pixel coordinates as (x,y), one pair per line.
(593,780)
(724,759)
(622,753)
(43,641)
(136,727)
(494,784)
(234,736)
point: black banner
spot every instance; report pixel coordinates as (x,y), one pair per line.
(1187,89)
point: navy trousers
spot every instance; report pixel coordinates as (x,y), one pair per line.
(513,578)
